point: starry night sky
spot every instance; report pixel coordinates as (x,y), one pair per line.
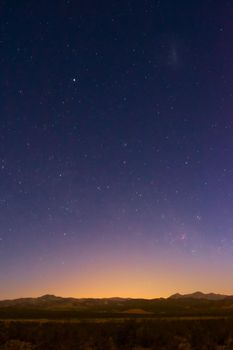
(116,153)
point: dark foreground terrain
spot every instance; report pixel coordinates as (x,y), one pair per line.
(184,334)
(197,321)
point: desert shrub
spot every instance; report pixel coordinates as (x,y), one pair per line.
(17,345)
(114,335)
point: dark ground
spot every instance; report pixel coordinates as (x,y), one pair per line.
(198,334)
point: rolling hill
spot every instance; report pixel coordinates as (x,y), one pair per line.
(53,307)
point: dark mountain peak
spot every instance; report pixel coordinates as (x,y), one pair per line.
(198,295)
(49,297)
(175,296)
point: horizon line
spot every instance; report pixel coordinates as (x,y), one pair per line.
(114,297)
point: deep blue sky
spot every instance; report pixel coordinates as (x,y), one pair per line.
(116,147)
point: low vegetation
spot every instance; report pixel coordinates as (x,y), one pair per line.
(113,335)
